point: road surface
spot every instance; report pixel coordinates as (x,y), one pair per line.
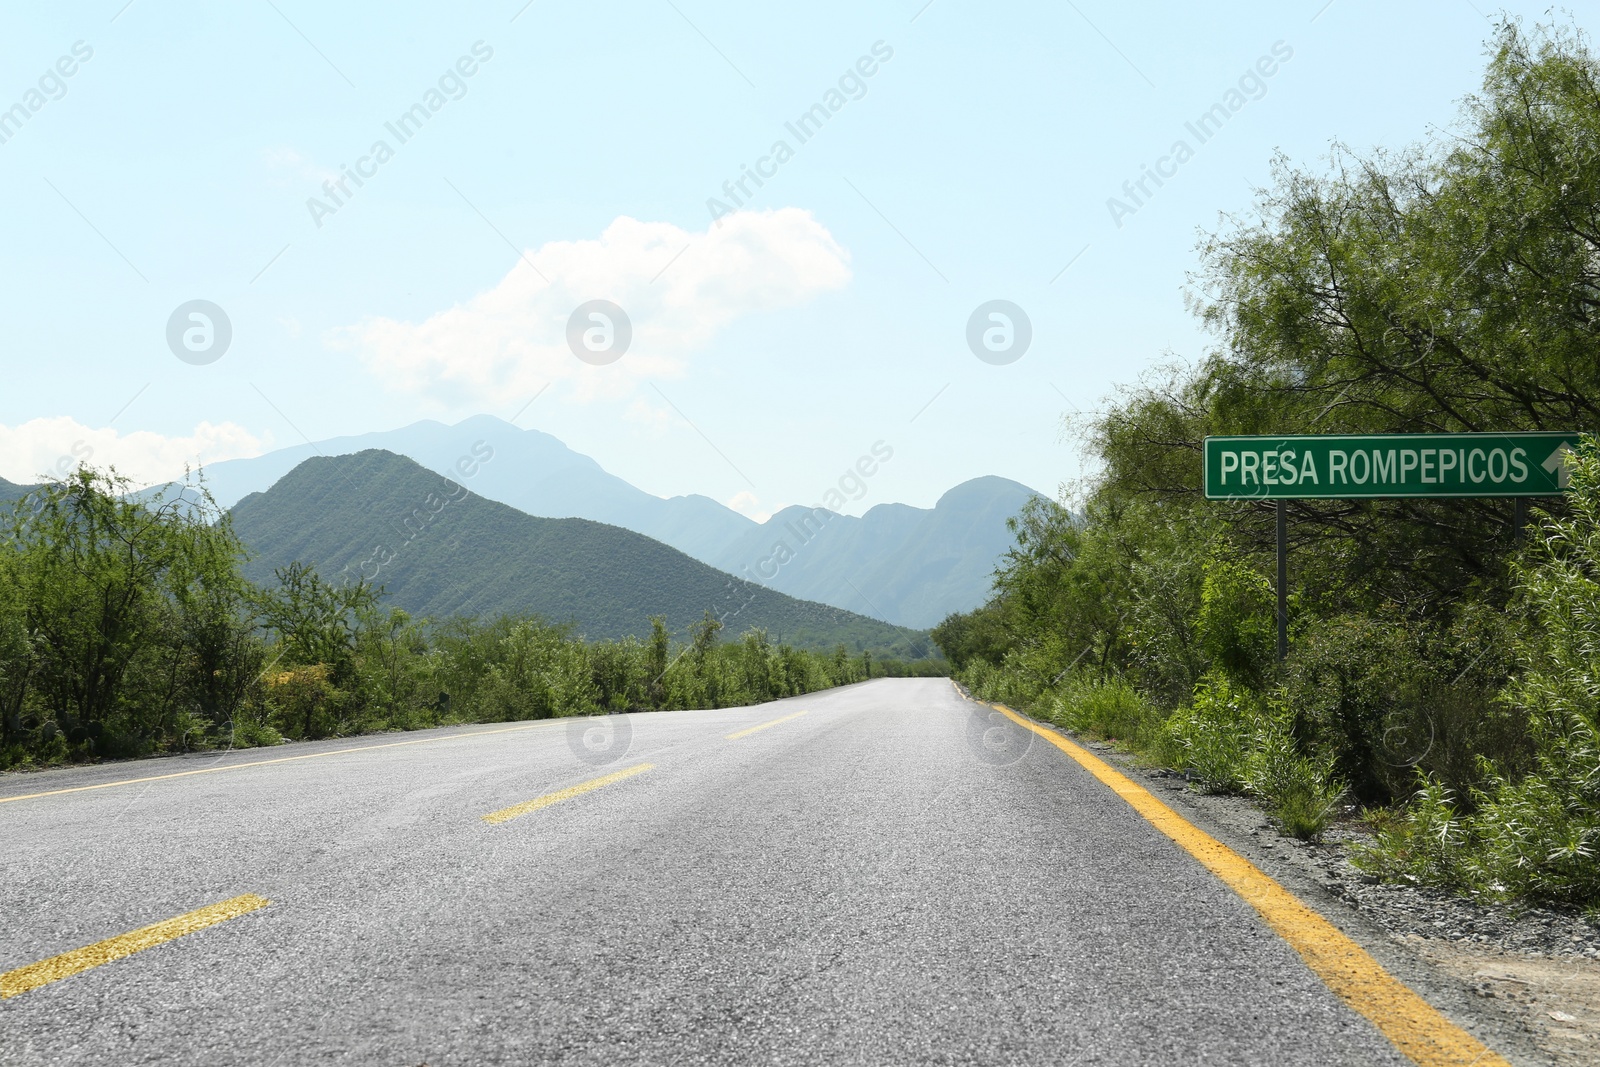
(877,877)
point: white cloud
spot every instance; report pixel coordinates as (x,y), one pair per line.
(748,504)
(510,341)
(54,447)
(656,420)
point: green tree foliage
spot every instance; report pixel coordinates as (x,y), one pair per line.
(313,621)
(1533,834)
(126,628)
(121,623)
(970,636)
(1430,290)
(1237,625)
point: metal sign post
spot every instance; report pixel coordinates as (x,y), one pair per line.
(1283,580)
(1380,466)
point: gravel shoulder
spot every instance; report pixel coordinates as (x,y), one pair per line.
(1527,983)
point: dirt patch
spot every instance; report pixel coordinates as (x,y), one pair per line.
(1556,999)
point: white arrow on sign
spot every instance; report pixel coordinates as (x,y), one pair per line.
(1560,464)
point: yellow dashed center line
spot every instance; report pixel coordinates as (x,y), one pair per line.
(763,726)
(507,814)
(1413,1025)
(21,980)
(268,762)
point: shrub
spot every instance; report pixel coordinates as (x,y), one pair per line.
(248,733)
(1423,844)
(1214,734)
(1358,687)
(1299,791)
(1006,684)
(535,671)
(1109,708)
(1534,835)
(620,675)
(1168,579)
(303,703)
(1469,730)
(1237,626)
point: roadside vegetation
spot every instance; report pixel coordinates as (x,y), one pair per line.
(1444,666)
(127,629)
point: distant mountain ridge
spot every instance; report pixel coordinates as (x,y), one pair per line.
(10,491)
(528,469)
(440,550)
(896,562)
(909,566)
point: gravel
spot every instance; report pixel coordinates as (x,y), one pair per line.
(1400,909)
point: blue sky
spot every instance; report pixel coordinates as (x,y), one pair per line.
(576,162)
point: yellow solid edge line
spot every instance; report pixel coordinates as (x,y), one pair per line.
(265,762)
(77,961)
(1411,1024)
(507,814)
(763,726)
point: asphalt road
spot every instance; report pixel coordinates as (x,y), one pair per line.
(883,879)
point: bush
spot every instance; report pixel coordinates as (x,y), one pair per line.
(1358,687)
(1008,684)
(1214,734)
(247,733)
(973,637)
(536,672)
(1539,835)
(1109,708)
(620,674)
(1535,834)
(1235,741)
(1237,625)
(303,703)
(1168,579)
(1422,844)
(1299,791)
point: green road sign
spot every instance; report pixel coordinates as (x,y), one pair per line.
(1344,466)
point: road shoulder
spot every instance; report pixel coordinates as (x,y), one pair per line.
(1501,1023)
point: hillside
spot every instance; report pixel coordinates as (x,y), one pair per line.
(439,550)
(911,566)
(10,491)
(528,469)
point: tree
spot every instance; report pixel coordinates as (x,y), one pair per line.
(656,660)
(1453,289)
(216,624)
(315,622)
(122,616)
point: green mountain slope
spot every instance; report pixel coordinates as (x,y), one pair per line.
(10,491)
(439,550)
(907,565)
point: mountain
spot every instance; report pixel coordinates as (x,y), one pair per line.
(528,469)
(10,491)
(440,550)
(910,566)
